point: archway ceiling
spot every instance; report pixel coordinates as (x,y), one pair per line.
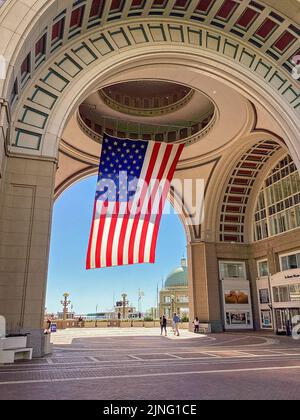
(199,105)
(207,14)
(229,104)
(266,25)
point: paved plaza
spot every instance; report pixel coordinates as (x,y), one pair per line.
(139,364)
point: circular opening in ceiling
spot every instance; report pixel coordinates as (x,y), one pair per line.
(148,110)
(146,98)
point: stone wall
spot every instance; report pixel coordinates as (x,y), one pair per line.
(25,224)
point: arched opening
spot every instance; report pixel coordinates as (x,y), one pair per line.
(99,290)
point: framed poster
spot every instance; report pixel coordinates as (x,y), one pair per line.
(236,297)
(238,318)
(266,319)
(264,296)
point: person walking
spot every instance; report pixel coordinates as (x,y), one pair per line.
(163,325)
(196,325)
(176,321)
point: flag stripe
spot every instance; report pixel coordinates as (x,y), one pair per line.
(161,173)
(99,237)
(163,199)
(88,257)
(110,240)
(105,234)
(147,179)
(117,235)
(128,219)
(158,205)
(98,208)
(153,183)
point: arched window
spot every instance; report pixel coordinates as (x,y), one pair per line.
(278,204)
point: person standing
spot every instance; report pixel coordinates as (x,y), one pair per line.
(196,325)
(176,321)
(163,325)
(49,322)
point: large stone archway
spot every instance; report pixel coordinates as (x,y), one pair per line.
(37,113)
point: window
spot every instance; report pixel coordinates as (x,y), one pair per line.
(263,268)
(183,299)
(167,299)
(232,270)
(278,204)
(295,293)
(290,262)
(287,294)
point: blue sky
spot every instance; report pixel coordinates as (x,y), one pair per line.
(67,273)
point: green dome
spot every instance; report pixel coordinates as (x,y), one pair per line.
(178,277)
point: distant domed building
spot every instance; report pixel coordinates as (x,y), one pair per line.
(174,297)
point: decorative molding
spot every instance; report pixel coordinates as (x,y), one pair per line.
(44,93)
(255,25)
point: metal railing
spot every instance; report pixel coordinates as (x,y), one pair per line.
(143,111)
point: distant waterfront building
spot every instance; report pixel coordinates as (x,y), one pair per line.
(174,297)
(69,315)
(123,309)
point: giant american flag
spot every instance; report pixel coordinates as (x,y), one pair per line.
(133,184)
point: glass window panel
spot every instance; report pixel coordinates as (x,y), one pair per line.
(263,268)
(232,270)
(292,262)
(295,293)
(284,263)
(276,294)
(284,294)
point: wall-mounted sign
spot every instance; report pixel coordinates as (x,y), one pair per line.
(285,276)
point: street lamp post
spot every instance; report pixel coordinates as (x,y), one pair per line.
(65,303)
(172,306)
(141,295)
(124,296)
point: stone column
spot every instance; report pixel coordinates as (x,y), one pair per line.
(273,260)
(204,284)
(252,274)
(25,223)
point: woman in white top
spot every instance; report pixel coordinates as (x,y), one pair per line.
(196,325)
